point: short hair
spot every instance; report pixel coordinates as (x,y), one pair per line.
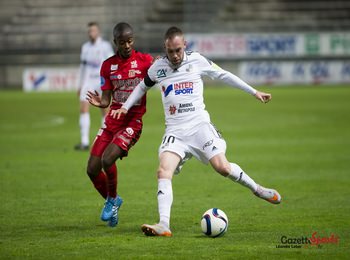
(93,24)
(120,28)
(172,32)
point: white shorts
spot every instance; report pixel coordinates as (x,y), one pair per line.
(204,143)
(90,85)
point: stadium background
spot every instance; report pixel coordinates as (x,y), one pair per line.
(38,33)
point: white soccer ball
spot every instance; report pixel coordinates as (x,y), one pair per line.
(214,222)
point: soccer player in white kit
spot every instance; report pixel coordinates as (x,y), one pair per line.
(93,53)
(188,129)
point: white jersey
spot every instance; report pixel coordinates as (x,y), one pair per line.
(91,58)
(182,89)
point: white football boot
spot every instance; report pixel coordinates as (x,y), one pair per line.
(269,195)
(156,230)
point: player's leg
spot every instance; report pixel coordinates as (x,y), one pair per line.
(168,162)
(96,175)
(234,172)
(113,201)
(84,123)
(94,167)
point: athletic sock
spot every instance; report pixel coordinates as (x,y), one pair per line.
(111,173)
(165,200)
(100,183)
(238,175)
(84,123)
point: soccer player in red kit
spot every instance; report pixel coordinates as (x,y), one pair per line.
(120,74)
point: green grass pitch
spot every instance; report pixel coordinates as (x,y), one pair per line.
(299,144)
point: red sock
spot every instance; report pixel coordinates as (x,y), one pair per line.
(100,183)
(112,181)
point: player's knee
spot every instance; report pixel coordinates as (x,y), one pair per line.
(92,170)
(163,173)
(107,161)
(223,169)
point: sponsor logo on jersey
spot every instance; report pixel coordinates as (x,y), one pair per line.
(114,66)
(167,90)
(126,84)
(181,88)
(103,81)
(130,131)
(172,109)
(161,73)
(132,73)
(187,107)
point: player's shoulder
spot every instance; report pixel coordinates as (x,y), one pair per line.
(195,55)
(111,60)
(160,61)
(85,45)
(143,56)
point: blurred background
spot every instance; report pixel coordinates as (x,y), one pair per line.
(263,41)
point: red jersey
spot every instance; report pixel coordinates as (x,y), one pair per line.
(122,76)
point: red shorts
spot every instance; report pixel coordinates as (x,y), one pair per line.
(124,132)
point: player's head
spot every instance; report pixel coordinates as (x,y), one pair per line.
(93,31)
(124,39)
(175,45)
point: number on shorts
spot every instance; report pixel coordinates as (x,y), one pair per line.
(169,139)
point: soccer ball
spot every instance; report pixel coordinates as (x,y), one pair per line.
(214,222)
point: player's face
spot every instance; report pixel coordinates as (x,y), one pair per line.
(93,33)
(175,49)
(125,44)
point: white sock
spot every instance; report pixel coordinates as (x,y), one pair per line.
(238,175)
(84,123)
(165,199)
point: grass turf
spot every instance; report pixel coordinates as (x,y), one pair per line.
(299,144)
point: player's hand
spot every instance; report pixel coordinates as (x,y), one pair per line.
(117,113)
(94,98)
(263,97)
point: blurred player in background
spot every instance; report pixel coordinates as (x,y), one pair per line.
(189,131)
(93,53)
(120,74)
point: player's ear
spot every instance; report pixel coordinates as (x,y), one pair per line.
(185,45)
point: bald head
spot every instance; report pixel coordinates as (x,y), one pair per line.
(124,39)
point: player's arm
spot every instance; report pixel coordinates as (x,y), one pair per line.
(214,71)
(136,95)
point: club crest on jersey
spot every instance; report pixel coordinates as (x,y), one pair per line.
(161,73)
(134,64)
(114,66)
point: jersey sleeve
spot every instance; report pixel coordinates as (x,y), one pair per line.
(212,70)
(151,78)
(106,83)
